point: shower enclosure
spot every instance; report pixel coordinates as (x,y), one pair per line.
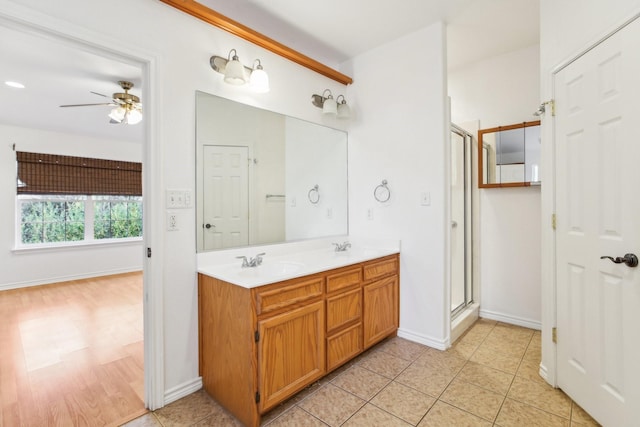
(461,220)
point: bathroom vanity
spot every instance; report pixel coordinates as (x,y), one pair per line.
(260,343)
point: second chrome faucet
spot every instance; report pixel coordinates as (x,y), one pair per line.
(252,262)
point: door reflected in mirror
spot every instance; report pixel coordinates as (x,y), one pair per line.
(263,177)
(509,156)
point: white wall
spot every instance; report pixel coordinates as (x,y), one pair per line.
(34,267)
(399,134)
(567,27)
(498,91)
(179,47)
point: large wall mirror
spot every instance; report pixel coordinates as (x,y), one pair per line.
(263,177)
(509,156)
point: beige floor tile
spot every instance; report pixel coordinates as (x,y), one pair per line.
(219,419)
(517,414)
(147,420)
(581,417)
(188,410)
(403,402)
(332,405)
(506,346)
(487,356)
(427,379)
(486,377)
(384,364)
(471,398)
(444,415)
(371,416)
(540,395)
(533,354)
(513,332)
(362,382)
(402,348)
(295,417)
(445,361)
(463,349)
(530,370)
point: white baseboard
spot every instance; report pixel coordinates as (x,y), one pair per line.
(50,280)
(513,320)
(182,390)
(423,339)
(543,372)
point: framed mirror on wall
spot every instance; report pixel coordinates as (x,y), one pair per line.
(509,156)
(263,178)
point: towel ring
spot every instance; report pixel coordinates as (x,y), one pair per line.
(314,195)
(382,192)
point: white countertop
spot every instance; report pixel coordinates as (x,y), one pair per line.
(299,261)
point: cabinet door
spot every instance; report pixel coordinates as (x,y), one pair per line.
(291,353)
(380,315)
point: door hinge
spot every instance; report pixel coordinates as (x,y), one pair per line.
(554,334)
(148,252)
(553,221)
(257,397)
(256,336)
(552,104)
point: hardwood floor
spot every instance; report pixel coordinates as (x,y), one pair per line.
(71,354)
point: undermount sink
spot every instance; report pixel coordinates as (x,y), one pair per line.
(275,269)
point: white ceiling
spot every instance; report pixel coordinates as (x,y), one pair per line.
(330,31)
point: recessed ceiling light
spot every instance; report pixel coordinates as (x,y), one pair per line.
(16,85)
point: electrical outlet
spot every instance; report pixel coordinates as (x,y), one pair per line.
(329,213)
(370,214)
(172,221)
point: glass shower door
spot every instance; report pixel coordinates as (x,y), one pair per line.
(461,283)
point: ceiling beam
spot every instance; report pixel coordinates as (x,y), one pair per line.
(206,14)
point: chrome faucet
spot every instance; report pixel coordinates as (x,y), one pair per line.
(252,262)
(342,247)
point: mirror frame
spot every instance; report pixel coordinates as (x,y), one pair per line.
(481,133)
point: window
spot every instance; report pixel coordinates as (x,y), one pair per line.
(64,199)
(58,219)
(117,217)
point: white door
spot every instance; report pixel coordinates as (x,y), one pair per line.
(598,214)
(226,197)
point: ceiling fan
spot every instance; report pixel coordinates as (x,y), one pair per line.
(127,107)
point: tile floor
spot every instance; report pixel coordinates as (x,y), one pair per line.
(488,378)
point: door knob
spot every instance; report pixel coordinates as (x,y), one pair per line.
(208,226)
(630,260)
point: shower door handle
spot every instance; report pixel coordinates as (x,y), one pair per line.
(454,224)
(630,260)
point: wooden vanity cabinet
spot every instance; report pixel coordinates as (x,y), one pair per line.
(260,346)
(380,298)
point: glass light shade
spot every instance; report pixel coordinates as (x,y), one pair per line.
(259,80)
(117,114)
(344,112)
(234,72)
(330,106)
(134,117)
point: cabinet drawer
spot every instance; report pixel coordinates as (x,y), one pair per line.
(344,346)
(343,309)
(344,279)
(382,268)
(274,297)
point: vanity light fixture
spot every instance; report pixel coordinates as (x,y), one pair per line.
(15,85)
(237,74)
(330,105)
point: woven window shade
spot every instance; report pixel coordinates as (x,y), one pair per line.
(55,174)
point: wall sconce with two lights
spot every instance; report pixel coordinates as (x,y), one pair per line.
(332,106)
(237,74)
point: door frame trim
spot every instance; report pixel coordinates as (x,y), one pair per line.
(549,363)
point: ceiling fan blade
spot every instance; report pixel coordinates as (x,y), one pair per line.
(96,93)
(88,105)
(114,122)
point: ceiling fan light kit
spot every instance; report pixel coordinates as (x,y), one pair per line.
(128,109)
